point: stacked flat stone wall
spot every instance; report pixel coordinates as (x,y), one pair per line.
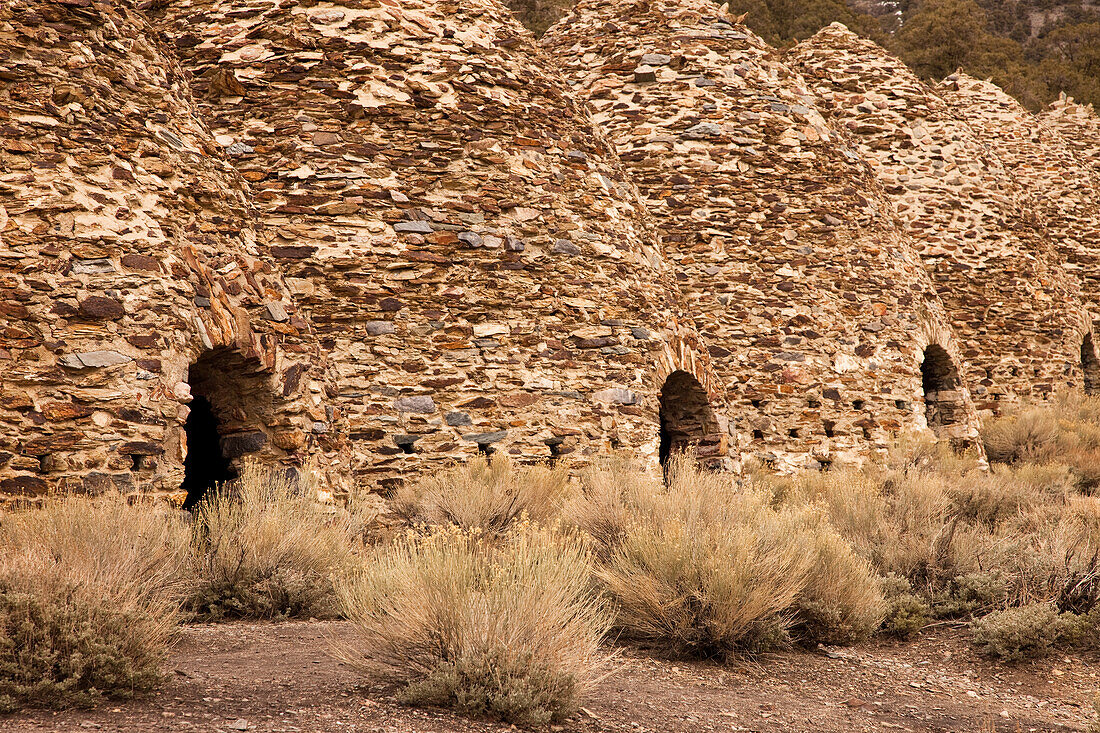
(1078,126)
(127,254)
(1056,184)
(1017,315)
(469,249)
(815,308)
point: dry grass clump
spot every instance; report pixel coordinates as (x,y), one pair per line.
(955,541)
(705,569)
(1065,431)
(264,547)
(486,494)
(506,627)
(89,592)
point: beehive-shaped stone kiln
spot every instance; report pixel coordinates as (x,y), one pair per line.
(468,248)
(818,314)
(136,315)
(1056,184)
(1016,313)
(1079,127)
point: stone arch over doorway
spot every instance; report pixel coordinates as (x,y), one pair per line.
(1090,365)
(232,415)
(688,420)
(944,399)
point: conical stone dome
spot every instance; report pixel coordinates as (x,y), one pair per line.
(1079,126)
(130,282)
(1017,314)
(816,310)
(467,246)
(1056,185)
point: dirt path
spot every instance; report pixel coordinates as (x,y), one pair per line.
(278,677)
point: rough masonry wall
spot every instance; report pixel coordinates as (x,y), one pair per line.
(1017,315)
(126,253)
(466,245)
(815,308)
(1078,125)
(1056,184)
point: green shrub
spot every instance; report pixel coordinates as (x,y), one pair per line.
(970,593)
(906,612)
(89,592)
(504,626)
(1018,634)
(264,547)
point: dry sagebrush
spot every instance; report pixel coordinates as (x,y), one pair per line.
(89,592)
(703,568)
(487,494)
(265,547)
(501,626)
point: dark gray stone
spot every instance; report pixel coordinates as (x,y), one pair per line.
(473,239)
(455,419)
(486,438)
(238,444)
(565,247)
(702,130)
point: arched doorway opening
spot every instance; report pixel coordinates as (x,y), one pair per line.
(943,399)
(230,412)
(1090,365)
(688,422)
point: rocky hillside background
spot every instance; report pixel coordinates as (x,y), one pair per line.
(1034,49)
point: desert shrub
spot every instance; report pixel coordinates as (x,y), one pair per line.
(906,612)
(603,507)
(89,592)
(901,522)
(506,627)
(841,602)
(1033,631)
(1064,431)
(969,594)
(265,547)
(702,568)
(486,494)
(1021,436)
